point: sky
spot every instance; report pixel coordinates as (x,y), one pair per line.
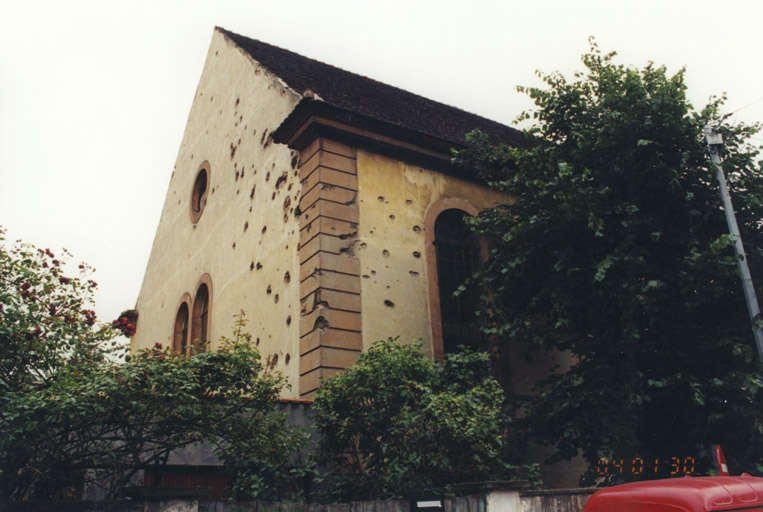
(94,95)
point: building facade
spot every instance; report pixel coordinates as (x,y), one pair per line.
(324,206)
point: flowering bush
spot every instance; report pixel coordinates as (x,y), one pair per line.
(70,416)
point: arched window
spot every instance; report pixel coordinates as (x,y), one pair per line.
(199,192)
(453,255)
(458,258)
(180,333)
(200,317)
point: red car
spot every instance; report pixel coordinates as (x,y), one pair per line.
(688,494)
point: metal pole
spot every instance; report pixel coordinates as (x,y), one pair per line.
(714,141)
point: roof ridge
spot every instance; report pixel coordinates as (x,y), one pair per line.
(234,35)
(370,97)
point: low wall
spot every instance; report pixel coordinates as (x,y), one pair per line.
(569,500)
(562,500)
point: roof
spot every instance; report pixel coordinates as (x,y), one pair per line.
(371,99)
(689,494)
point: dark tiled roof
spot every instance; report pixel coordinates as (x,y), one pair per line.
(373,99)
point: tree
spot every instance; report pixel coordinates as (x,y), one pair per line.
(72,416)
(398,424)
(616,251)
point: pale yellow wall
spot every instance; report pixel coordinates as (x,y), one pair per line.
(236,104)
(393,200)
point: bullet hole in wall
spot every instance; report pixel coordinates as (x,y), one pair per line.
(267,176)
(259,266)
(287,359)
(280,181)
(251,194)
(408,201)
(413,273)
(264,134)
(294,160)
(269,290)
(385,253)
(276,298)
(251,266)
(264,228)
(237,101)
(246,226)
(257,343)
(273,361)
(288,320)
(416,254)
(391,217)
(416,229)
(380,199)
(287,277)
(389,303)
(321,324)
(234,245)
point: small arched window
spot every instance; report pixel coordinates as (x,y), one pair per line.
(180,333)
(458,256)
(200,317)
(199,192)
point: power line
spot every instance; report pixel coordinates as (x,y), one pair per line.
(748,105)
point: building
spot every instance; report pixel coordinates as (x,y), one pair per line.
(324,205)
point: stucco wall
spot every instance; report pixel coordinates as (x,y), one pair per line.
(247,236)
(394,198)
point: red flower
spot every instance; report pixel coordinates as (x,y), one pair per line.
(26,286)
(64,280)
(89,316)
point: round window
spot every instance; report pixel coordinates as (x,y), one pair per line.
(199,192)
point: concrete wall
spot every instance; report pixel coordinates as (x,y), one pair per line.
(246,238)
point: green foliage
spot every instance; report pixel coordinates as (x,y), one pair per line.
(46,320)
(616,250)
(70,416)
(398,424)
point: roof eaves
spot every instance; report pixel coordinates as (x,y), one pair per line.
(313,118)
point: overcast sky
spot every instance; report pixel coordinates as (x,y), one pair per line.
(94,95)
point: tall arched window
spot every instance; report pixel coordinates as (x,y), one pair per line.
(180,333)
(453,254)
(458,258)
(200,317)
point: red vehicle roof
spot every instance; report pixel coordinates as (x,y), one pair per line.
(689,494)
